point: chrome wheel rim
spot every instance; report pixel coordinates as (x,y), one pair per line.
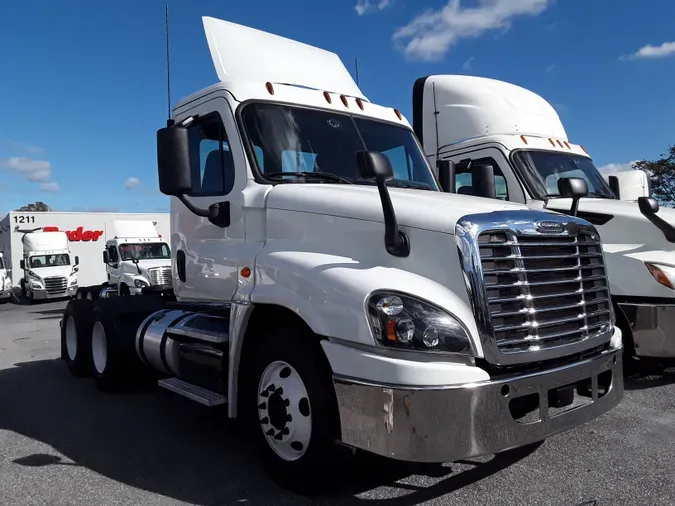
(284,411)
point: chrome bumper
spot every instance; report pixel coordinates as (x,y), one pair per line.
(453,423)
(653,329)
(41,294)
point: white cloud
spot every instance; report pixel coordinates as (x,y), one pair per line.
(50,187)
(364,6)
(30,168)
(610,168)
(430,34)
(468,64)
(649,51)
(550,68)
(132,182)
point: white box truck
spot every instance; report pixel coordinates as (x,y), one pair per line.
(480,122)
(330,294)
(136,258)
(49,272)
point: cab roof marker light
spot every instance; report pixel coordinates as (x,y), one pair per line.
(326,95)
(522,137)
(398,114)
(344,101)
(583,148)
(567,144)
(560,144)
(359,102)
(270,88)
(551,141)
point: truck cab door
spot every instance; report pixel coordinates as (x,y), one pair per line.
(113,266)
(507,185)
(207,256)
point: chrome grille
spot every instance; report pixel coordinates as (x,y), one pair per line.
(56,285)
(544,291)
(159,275)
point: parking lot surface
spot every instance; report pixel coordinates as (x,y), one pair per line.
(64,443)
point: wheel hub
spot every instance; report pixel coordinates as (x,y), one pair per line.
(284,411)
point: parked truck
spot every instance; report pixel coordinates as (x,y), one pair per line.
(49,272)
(329,293)
(5,281)
(477,121)
(137,258)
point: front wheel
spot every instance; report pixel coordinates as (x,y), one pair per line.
(292,401)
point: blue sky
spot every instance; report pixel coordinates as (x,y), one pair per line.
(83,84)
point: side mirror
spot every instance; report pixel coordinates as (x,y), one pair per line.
(173,160)
(77,260)
(573,188)
(106,257)
(22,264)
(446,175)
(615,186)
(648,205)
(374,165)
(483,181)
(76,269)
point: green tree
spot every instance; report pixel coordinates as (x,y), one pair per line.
(662,173)
(35,207)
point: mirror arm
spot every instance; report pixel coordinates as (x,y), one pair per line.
(575,206)
(665,227)
(218,213)
(395,241)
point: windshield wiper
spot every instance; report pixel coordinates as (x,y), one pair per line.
(398,183)
(326,176)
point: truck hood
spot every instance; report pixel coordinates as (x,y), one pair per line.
(428,210)
(628,240)
(48,272)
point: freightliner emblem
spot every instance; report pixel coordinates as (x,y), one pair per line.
(549,226)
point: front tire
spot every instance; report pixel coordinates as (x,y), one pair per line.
(291,403)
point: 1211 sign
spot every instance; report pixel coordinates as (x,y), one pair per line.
(24,218)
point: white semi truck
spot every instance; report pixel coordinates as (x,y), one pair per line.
(49,272)
(331,295)
(473,121)
(137,258)
(5,281)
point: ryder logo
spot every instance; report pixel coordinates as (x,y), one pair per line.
(79,234)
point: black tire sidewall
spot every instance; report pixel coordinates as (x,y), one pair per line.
(303,352)
(80,311)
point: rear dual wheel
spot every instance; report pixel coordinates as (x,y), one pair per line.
(75,332)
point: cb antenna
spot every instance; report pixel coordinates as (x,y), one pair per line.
(169,121)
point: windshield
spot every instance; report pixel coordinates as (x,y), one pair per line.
(542,169)
(294,139)
(145,251)
(58,260)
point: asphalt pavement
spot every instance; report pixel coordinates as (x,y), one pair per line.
(62,442)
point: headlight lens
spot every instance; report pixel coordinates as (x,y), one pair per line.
(73,281)
(404,322)
(664,274)
(139,283)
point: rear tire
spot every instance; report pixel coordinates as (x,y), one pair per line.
(115,364)
(290,402)
(75,337)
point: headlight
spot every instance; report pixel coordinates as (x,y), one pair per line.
(31,274)
(664,274)
(73,281)
(407,323)
(139,283)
